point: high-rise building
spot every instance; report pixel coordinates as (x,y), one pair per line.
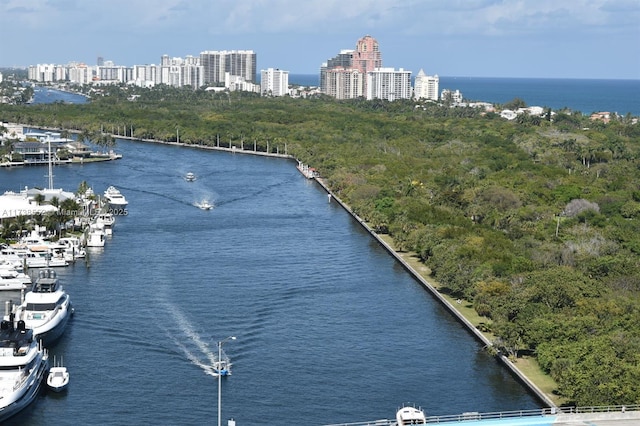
(426,86)
(240,63)
(389,84)
(367,56)
(274,82)
(343,76)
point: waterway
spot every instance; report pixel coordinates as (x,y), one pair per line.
(329,327)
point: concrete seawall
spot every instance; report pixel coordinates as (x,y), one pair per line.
(451,308)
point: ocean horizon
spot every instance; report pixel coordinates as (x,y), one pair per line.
(585,95)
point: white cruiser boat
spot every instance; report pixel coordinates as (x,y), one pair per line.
(10,279)
(58,378)
(46,309)
(95,235)
(72,248)
(190,177)
(107,220)
(115,199)
(41,259)
(23,366)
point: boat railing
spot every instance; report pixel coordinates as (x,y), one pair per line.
(505,414)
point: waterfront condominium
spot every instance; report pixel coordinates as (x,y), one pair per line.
(426,86)
(343,76)
(389,84)
(274,82)
(240,63)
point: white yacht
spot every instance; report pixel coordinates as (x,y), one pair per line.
(41,259)
(72,248)
(107,220)
(23,365)
(46,309)
(95,235)
(10,279)
(190,177)
(115,198)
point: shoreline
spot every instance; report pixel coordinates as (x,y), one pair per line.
(479,335)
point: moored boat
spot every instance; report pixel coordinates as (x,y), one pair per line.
(58,377)
(23,365)
(46,308)
(10,279)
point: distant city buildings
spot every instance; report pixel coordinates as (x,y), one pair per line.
(274,82)
(352,73)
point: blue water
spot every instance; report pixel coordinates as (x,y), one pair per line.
(329,327)
(586,96)
(45,95)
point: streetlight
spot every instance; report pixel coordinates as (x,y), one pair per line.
(219,370)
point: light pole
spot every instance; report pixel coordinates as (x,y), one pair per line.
(219,369)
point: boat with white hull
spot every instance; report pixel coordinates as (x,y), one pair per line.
(58,377)
(23,366)
(107,220)
(46,309)
(115,198)
(10,279)
(95,236)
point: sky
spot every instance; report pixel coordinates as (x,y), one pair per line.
(475,38)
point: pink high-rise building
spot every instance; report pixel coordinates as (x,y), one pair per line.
(344,75)
(367,55)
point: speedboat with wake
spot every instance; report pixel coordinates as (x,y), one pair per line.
(190,177)
(23,366)
(46,309)
(204,205)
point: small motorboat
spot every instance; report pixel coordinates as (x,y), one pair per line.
(58,378)
(190,177)
(408,415)
(204,205)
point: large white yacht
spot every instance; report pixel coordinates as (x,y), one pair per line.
(115,198)
(46,309)
(23,366)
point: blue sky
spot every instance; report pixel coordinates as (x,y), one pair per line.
(483,38)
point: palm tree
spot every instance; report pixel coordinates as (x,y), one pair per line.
(39,199)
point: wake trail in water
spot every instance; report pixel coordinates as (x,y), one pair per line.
(194,348)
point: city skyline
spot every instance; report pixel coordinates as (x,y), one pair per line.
(481,38)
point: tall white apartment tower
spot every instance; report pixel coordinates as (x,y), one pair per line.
(241,63)
(274,82)
(426,86)
(389,84)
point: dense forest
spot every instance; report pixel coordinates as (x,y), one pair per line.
(535,222)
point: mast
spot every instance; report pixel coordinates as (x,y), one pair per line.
(50,163)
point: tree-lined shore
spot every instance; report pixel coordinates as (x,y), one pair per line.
(531,223)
